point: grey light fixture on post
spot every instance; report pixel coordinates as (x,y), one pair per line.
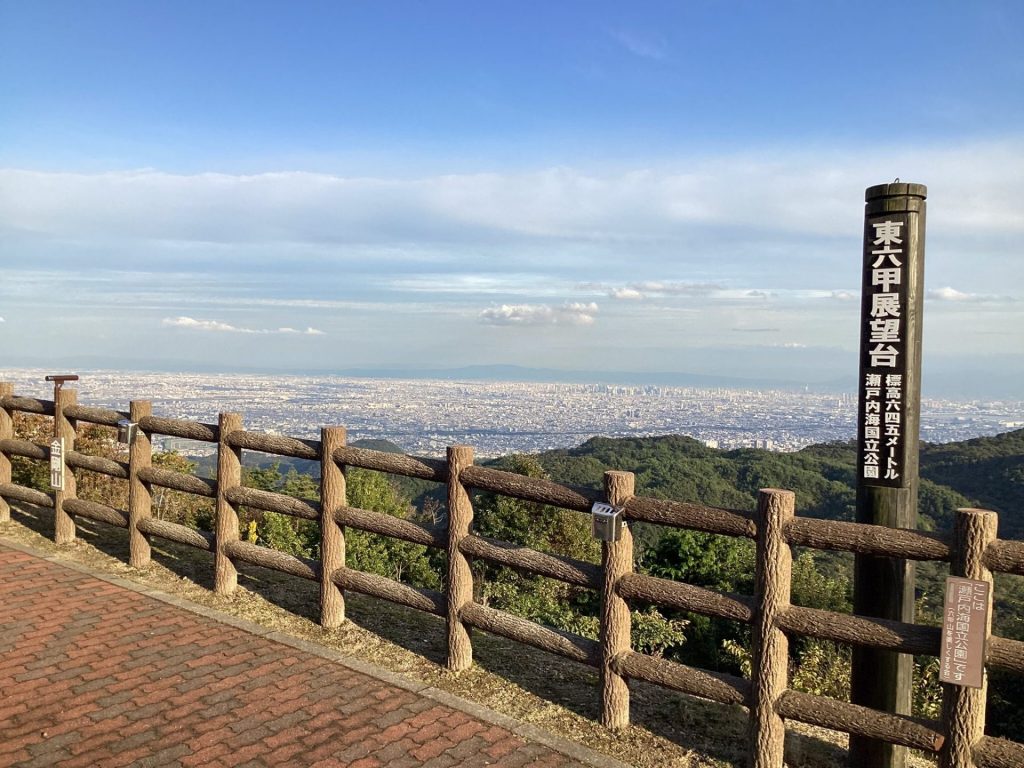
(607,521)
(126,431)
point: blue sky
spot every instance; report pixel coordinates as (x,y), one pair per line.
(649,186)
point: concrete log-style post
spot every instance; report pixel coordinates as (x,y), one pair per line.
(459,582)
(140,499)
(63,524)
(333,496)
(770,647)
(6,433)
(616,562)
(229,475)
(963,709)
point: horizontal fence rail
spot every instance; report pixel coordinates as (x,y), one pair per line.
(775,529)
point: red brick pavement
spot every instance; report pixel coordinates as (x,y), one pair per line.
(94,674)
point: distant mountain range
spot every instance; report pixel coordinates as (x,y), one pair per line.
(983,378)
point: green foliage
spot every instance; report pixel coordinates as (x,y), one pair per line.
(937,504)
(822,668)
(177,507)
(28,472)
(282,533)
(382,555)
(544,528)
(656,634)
(986,472)
(385,556)
(813,589)
(723,563)
(538,526)
(542,600)
(927,693)
(989,470)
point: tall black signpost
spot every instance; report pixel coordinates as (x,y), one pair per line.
(887,441)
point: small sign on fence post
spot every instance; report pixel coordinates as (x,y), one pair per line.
(964,618)
(57,464)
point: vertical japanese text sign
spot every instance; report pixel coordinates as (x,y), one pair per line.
(965,618)
(890,335)
(57,464)
(889,389)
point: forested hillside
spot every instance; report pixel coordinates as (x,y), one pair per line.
(986,472)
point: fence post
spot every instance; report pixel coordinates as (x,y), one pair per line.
(6,433)
(140,500)
(963,709)
(333,495)
(459,582)
(770,647)
(229,475)
(63,524)
(616,562)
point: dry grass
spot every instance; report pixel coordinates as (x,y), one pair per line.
(558,695)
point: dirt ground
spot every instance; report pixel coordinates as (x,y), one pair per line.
(668,730)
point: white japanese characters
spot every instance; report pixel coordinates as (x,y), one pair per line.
(882,388)
(57,464)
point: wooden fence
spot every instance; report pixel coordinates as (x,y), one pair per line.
(972,550)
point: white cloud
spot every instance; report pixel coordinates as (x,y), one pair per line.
(574,313)
(295,249)
(740,193)
(676,288)
(2,320)
(950,294)
(201,325)
(626,294)
(307,332)
(652,288)
(216,325)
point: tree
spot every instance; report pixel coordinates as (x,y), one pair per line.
(175,506)
(383,555)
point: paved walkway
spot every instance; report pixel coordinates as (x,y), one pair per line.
(96,672)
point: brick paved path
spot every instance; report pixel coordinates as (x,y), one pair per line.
(94,674)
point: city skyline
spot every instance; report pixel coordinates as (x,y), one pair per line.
(502,417)
(332,187)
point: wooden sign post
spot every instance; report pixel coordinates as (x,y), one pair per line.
(888,426)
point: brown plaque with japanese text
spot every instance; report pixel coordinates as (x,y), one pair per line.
(965,616)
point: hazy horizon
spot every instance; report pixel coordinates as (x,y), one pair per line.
(580,186)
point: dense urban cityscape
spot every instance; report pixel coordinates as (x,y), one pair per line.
(425,416)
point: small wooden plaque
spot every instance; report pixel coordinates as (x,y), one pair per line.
(965,617)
